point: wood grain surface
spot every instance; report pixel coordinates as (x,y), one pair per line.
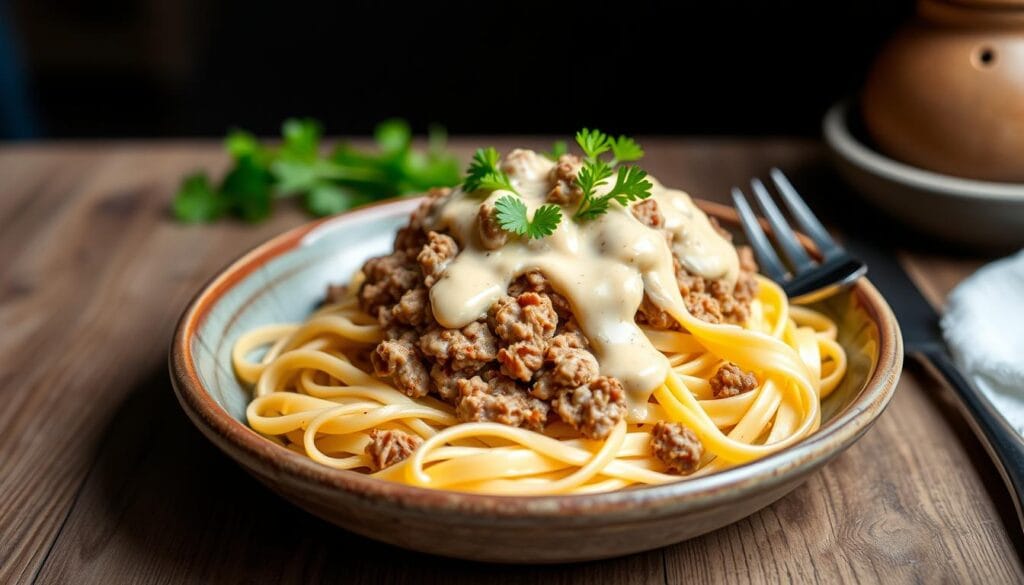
(104,480)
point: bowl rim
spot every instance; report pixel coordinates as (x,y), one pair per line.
(280,464)
(836,130)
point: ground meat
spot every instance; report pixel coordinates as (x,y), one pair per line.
(492,236)
(466,349)
(676,446)
(521,359)
(534,281)
(335,293)
(499,399)
(412,237)
(746,255)
(446,381)
(736,305)
(593,409)
(731,380)
(568,368)
(524,323)
(387,447)
(570,337)
(650,314)
(522,164)
(397,332)
(410,240)
(563,175)
(435,256)
(528,317)
(648,213)
(687,281)
(726,235)
(399,361)
(731,308)
(704,307)
(387,279)
(412,309)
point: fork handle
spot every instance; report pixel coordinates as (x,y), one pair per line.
(1001,441)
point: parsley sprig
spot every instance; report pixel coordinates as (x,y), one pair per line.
(631,182)
(513,217)
(325,183)
(484,173)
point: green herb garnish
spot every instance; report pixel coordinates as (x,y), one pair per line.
(630,185)
(559,148)
(345,178)
(631,182)
(483,173)
(512,217)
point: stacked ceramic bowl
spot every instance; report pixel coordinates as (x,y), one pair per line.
(937,137)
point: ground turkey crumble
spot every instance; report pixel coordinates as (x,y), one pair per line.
(387,447)
(708,300)
(676,446)
(731,380)
(526,363)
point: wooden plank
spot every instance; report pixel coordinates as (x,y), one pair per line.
(915,500)
(103,478)
(96,277)
(161,506)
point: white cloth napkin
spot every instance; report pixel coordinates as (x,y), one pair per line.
(984,327)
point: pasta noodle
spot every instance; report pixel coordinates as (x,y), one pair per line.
(312,395)
(617,351)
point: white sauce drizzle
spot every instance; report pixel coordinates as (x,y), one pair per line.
(602,267)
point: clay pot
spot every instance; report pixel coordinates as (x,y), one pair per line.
(947,92)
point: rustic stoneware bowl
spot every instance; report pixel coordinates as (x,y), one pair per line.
(980,214)
(285,278)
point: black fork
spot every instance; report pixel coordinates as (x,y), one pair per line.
(806,279)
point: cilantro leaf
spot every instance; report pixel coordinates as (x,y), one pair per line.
(484,174)
(545,221)
(512,216)
(593,142)
(592,175)
(327,184)
(393,136)
(327,199)
(241,143)
(630,184)
(247,190)
(625,149)
(592,208)
(558,148)
(197,201)
(301,139)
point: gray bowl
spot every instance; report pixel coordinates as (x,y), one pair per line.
(980,214)
(283,280)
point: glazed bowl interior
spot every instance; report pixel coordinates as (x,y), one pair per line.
(286,278)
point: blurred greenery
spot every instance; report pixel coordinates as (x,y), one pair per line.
(342,179)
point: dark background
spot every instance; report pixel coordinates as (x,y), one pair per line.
(140,68)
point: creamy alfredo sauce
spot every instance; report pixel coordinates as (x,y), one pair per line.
(602,267)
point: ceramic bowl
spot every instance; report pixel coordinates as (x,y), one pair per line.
(979,214)
(285,278)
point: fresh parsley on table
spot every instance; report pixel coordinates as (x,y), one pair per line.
(327,184)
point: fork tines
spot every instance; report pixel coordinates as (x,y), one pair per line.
(804,276)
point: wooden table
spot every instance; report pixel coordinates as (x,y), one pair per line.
(104,480)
